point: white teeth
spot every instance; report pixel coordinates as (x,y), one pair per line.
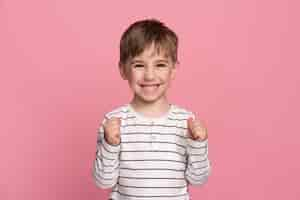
(150,85)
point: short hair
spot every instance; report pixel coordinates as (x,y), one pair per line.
(141,34)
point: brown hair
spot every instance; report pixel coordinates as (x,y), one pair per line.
(141,34)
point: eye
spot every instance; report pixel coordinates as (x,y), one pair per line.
(138,66)
(161,65)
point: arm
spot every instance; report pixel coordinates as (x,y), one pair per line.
(106,164)
(198,166)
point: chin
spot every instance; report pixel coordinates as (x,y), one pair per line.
(149,99)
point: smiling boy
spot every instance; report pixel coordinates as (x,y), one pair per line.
(150,148)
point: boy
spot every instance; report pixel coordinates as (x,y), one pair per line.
(150,148)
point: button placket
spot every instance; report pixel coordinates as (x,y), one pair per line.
(152,136)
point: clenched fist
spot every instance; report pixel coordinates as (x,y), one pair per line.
(197,129)
(112,131)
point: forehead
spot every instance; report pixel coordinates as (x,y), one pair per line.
(153,52)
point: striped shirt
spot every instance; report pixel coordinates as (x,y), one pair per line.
(155,159)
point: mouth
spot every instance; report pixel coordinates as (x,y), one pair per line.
(149,85)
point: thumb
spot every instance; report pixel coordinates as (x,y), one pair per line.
(190,125)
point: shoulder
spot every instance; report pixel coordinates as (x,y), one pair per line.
(181,112)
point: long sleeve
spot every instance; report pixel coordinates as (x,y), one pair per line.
(198,167)
(106,164)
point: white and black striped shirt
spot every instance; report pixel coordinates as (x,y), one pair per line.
(155,159)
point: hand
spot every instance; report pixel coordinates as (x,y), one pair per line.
(196,129)
(112,130)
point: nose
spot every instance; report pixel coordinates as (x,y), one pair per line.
(149,73)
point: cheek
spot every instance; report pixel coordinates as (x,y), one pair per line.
(133,80)
(167,77)
(135,77)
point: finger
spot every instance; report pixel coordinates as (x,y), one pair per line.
(198,123)
(117,136)
(202,133)
(191,127)
(190,123)
(114,140)
(196,137)
(198,130)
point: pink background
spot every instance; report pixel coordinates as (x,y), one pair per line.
(239,72)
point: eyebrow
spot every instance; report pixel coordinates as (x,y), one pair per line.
(162,60)
(141,61)
(136,61)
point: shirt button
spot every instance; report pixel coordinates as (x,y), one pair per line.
(151,128)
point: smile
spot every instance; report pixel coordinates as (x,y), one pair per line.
(153,85)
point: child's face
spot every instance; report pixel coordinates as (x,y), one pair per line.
(149,75)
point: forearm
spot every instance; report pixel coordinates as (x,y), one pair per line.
(106,164)
(198,167)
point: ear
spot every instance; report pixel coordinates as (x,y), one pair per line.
(122,69)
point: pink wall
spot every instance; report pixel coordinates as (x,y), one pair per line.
(239,59)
